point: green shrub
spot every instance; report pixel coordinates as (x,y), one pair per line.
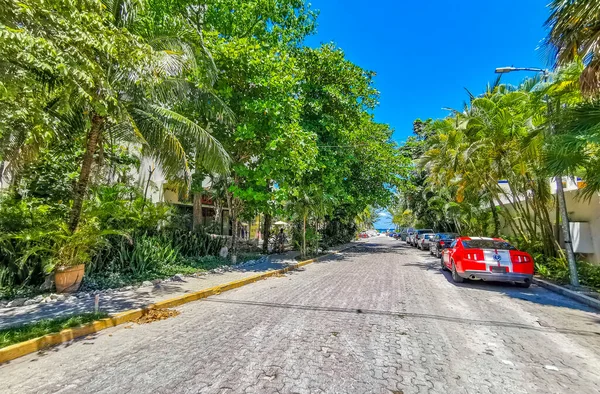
(147,254)
(313,239)
(589,274)
(194,243)
(121,238)
(557,269)
(124,208)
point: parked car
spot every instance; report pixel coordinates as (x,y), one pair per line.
(440,242)
(491,259)
(414,239)
(404,234)
(425,240)
(363,235)
(398,232)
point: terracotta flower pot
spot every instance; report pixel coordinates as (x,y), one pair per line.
(68,279)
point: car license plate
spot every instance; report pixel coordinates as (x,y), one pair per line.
(499,270)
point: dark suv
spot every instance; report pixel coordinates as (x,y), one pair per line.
(440,242)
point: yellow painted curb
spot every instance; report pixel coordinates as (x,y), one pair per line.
(33,345)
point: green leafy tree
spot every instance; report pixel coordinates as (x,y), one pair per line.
(116,80)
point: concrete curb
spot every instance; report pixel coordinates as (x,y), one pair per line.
(33,345)
(589,301)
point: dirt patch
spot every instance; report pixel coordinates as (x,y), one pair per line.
(156,315)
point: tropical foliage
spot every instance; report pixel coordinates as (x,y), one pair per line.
(96,96)
(487,169)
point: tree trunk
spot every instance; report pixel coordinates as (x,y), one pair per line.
(560,193)
(86,168)
(304,237)
(197,221)
(317,234)
(266,232)
(495,218)
(557,220)
(150,172)
(234,224)
(234,239)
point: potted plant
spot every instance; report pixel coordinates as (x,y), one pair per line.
(72,251)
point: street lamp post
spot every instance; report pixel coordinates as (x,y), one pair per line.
(560,192)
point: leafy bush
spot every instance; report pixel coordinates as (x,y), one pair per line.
(147,254)
(338,232)
(33,239)
(557,269)
(124,208)
(116,279)
(194,243)
(589,274)
(313,239)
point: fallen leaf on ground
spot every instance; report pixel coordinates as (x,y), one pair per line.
(157,314)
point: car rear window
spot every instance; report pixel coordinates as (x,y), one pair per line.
(487,244)
(428,236)
(447,236)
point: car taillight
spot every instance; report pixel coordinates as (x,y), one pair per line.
(475,255)
(442,243)
(520,258)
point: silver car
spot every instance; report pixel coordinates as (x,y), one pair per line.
(424,241)
(418,234)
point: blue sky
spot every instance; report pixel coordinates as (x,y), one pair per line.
(426,52)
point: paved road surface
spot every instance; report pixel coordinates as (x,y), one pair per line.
(379,319)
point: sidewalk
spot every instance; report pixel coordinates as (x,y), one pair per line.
(113,300)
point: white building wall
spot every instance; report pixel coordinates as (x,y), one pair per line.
(579,210)
(589,212)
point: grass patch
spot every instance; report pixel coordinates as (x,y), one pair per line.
(10,336)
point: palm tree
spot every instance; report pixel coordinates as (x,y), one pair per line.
(119,83)
(575,34)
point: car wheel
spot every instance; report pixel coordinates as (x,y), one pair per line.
(523,285)
(455,276)
(444,268)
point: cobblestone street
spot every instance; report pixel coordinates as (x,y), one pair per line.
(379,318)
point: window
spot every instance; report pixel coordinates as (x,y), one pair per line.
(454,243)
(447,236)
(487,244)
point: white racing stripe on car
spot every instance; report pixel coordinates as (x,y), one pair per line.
(504,261)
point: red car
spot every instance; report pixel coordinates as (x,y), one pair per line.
(492,259)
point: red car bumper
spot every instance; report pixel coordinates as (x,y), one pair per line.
(497,277)
(515,272)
